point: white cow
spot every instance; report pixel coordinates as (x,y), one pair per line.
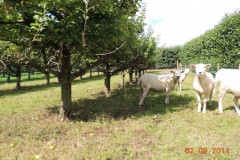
(157,83)
(229,79)
(203,84)
(182,78)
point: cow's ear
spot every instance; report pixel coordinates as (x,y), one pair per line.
(208,65)
(192,66)
(171,71)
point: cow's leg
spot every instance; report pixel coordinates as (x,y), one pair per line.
(141,92)
(214,89)
(178,86)
(221,95)
(145,91)
(199,99)
(235,101)
(205,103)
(167,97)
(210,99)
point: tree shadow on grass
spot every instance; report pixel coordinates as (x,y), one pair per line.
(213,107)
(124,104)
(229,108)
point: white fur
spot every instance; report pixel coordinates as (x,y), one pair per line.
(229,79)
(203,84)
(157,83)
(182,78)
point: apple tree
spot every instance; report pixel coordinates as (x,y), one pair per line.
(71,29)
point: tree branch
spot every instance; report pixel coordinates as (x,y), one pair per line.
(3,63)
(84,70)
(85,22)
(103,54)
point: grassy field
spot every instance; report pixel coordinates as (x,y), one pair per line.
(114,128)
(24,77)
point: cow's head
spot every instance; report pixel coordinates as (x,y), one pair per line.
(200,68)
(176,74)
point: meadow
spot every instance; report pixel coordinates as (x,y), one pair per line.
(114,128)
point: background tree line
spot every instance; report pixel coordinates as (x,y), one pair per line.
(220,45)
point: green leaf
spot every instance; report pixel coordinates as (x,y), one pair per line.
(37,17)
(43,4)
(84,16)
(34,24)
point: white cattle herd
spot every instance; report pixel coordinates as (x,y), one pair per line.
(203,84)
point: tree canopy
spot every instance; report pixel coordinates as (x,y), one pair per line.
(67,38)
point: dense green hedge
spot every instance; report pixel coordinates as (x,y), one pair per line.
(169,57)
(218,45)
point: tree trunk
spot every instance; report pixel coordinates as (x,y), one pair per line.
(131,76)
(107,79)
(47,75)
(8,76)
(122,79)
(90,73)
(66,84)
(18,77)
(29,71)
(136,74)
(98,71)
(107,86)
(28,75)
(139,73)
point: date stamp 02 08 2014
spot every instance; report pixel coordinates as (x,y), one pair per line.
(207,151)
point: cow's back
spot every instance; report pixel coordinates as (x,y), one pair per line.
(231,82)
(156,82)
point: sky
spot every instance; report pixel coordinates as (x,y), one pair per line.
(179,21)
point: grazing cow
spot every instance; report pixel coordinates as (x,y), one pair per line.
(203,84)
(182,78)
(229,79)
(157,83)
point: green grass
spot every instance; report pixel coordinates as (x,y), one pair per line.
(114,128)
